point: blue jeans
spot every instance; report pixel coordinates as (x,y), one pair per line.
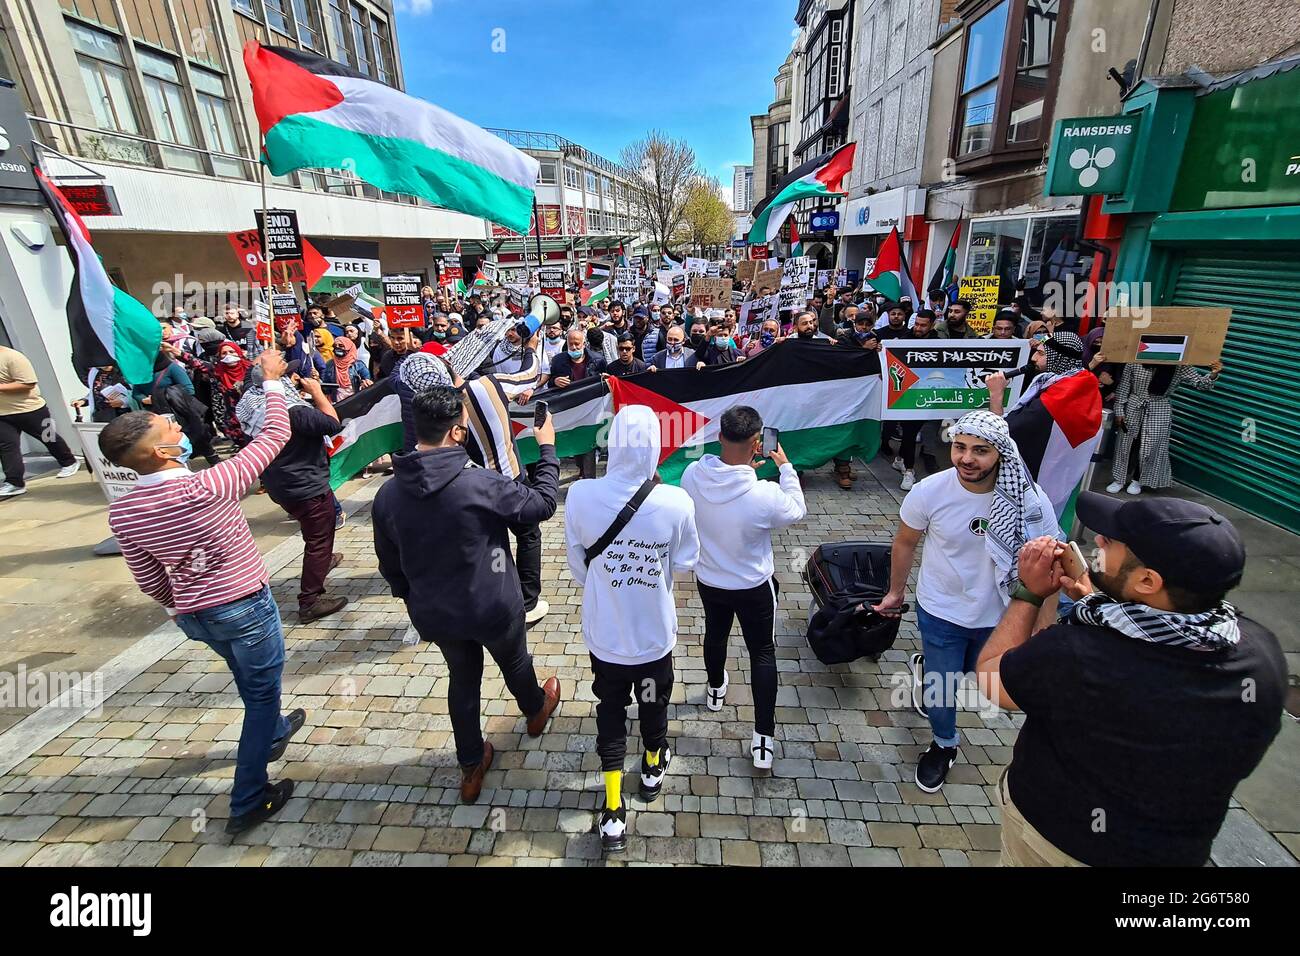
(247,634)
(950,651)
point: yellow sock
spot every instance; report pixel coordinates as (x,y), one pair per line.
(613,789)
(652,759)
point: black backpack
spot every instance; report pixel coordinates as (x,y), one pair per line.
(842,576)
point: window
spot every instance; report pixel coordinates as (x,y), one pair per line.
(307,15)
(360,43)
(607,187)
(342,33)
(591,182)
(99,55)
(1005,76)
(247,6)
(1035,248)
(171,119)
(571,176)
(593,220)
(833,63)
(278,17)
(546,175)
(979,87)
(218,122)
(383,50)
(777,144)
(782,87)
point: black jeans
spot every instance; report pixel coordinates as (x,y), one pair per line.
(907,434)
(528,562)
(756,608)
(464,659)
(38,423)
(613,685)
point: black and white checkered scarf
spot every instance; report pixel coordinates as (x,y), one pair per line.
(1210,630)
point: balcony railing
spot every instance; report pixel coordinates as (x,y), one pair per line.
(554,143)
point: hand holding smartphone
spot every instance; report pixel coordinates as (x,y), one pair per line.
(1073,563)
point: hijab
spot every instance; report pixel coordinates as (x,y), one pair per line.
(231,376)
(327,343)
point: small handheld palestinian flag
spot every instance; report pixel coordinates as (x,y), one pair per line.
(818,178)
(796,243)
(314,112)
(892,276)
(107,326)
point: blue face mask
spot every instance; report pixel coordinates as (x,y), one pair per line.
(184,445)
(767,338)
(863,336)
(721,341)
(575,354)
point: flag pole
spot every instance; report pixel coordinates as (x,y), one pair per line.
(266,254)
(537,220)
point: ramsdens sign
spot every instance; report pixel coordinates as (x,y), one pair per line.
(1090,155)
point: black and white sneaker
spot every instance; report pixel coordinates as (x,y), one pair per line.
(613,830)
(932,769)
(763,749)
(715,697)
(652,778)
(918,684)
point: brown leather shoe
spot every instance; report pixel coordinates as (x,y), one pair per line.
(537,723)
(324,607)
(471,778)
(335,560)
(844,475)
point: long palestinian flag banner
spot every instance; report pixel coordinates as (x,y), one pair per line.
(824,400)
(372,428)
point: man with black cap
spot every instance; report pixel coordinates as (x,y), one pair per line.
(1146,705)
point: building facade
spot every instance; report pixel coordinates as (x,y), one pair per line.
(771,130)
(742,188)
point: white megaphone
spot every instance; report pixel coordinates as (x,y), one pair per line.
(545,309)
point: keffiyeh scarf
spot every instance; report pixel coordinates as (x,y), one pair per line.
(1210,630)
(1064,351)
(251,410)
(1017,514)
(423,371)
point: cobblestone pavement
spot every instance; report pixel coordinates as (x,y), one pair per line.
(146,782)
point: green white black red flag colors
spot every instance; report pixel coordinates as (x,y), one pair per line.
(892,277)
(824,399)
(818,178)
(372,428)
(314,112)
(1056,425)
(107,326)
(945,274)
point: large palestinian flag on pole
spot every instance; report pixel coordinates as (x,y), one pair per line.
(823,398)
(818,178)
(107,326)
(315,112)
(1056,425)
(892,276)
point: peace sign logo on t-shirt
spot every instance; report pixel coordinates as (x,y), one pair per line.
(979,526)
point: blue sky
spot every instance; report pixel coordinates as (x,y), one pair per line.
(603,72)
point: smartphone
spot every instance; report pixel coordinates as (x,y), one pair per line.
(771,438)
(1073,562)
(540,411)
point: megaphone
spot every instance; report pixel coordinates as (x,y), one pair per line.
(545,309)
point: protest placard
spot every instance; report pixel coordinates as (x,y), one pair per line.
(679,284)
(696,267)
(1166,335)
(491,272)
(449,270)
(402,302)
(551,281)
(714,270)
(769,279)
(278,231)
(746,269)
(823,278)
(755,312)
(944,378)
(982,293)
(797,272)
(710,293)
(285,312)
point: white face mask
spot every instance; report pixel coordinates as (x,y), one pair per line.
(230,360)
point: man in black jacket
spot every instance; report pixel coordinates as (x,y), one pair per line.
(442,539)
(628,363)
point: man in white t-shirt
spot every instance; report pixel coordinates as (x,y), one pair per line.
(976,516)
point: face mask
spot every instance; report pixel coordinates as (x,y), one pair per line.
(674,348)
(575,354)
(555,338)
(230,360)
(699,339)
(184,445)
(721,341)
(767,338)
(862,336)
(439,335)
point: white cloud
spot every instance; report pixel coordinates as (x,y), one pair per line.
(414,7)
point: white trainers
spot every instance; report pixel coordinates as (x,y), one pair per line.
(762,747)
(898,464)
(1134,488)
(67,471)
(715,697)
(909,479)
(9,491)
(539,611)
(1115,487)
(917,665)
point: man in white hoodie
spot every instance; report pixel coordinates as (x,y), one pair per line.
(629,619)
(736,515)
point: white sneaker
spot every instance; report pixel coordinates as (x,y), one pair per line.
(1115,487)
(9,491)
(918,684)
(67,471)
(909,479)
(537,613)
(763,749)
(1134,488)
(715,697)
(898,464)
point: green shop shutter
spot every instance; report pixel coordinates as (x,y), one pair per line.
(1241,442)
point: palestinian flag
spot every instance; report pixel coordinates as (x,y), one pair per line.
(372,428)
(480,278)
(1161,348)
(824,399)
(945,275)
(107,326)
(314,112)
(892,277)
(673,265)
(796,243)
(1056,425)
(818,178)
(598,269)
(595,289)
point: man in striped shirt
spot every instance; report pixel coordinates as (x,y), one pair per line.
(189,548)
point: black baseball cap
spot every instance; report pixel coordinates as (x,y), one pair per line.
(1190,545)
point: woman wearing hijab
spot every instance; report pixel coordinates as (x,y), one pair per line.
(344,375)
(357,336)
(1144,416)
(226,378)
(323,340)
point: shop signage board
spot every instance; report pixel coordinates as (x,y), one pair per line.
(1092,154)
